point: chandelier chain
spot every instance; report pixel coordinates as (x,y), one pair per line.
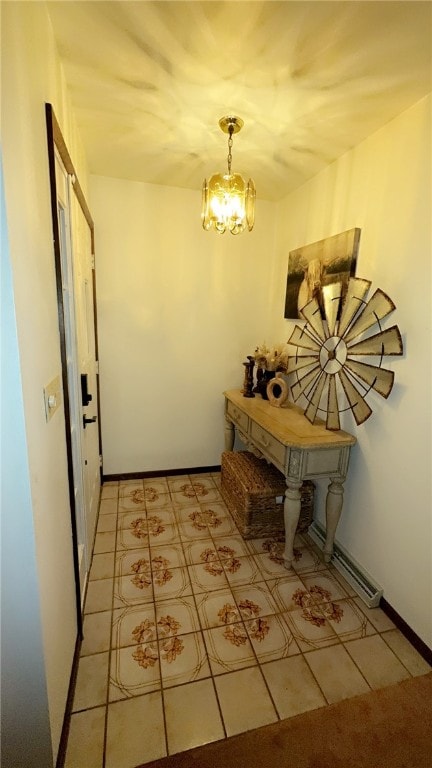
(230,143)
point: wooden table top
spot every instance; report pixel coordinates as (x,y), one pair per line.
(288,424)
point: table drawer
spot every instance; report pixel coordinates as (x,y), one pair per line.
(272,447)
(240,418)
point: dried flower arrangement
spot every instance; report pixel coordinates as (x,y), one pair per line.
(274,358)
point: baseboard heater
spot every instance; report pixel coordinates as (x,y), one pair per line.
(369,592)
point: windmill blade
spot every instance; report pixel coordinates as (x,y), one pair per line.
(311,410)
(299,338)
(297,363)
(388,342)
(358,404)
(332,295)
(333,421)
(379,306)
(379,379)
(354,298)
(299,387)
(312,314)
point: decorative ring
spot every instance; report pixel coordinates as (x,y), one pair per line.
(277,400)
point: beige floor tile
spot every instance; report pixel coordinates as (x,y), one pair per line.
(107,523)
(180,500)
(242,712)
(108,506)
(219,520)
(96,630)
(102,566)
(308,561)
(254,600)
(183,659)
(241,571)
(133,502)
(217,608)
(134,671)
(99,595)
(231,546)
(197,551)
(91,684)
(208,495)
(158,484)
(376,661)
(192,716)
(142,530)
(406,653)
(177,484)
(165,514)
(85,745)
(292,686)
(176,616)
(154,491)
(271,639)
(127,488)
(172,553)
(336,673)
(207,577)
(376,616)
(271,566)
(128,563)
(229,648)
(310,628)
(133,590)
(104,542)
(347,620)
(170,583)
(135,732)
(159,504)
(323,587)
(109,491)
(193,527)
(285,591)
(188,514)
(133,625)
(205,478)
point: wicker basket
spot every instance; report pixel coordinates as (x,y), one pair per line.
(253,492)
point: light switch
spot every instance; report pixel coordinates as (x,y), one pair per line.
(52,397)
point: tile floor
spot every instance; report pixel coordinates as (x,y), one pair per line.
(192,634)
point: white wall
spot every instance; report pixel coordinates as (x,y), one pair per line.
(178,311)
(31,75)
(383,186)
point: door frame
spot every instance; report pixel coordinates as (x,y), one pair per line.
(55,141)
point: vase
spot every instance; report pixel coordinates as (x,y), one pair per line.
(268,376)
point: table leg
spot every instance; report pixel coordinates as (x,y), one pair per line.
(292,506)
(229,435)
(334,504)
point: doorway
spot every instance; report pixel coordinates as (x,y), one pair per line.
(75,274)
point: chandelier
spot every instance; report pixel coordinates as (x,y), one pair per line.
(228,202)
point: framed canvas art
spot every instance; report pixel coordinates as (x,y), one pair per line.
(310,267)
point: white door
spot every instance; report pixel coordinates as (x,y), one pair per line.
(79,330)
(87,363)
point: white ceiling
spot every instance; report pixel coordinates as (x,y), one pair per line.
(150,80)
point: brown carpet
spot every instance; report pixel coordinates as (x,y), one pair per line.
(389,728)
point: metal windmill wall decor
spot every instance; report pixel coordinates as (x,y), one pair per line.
(328,348)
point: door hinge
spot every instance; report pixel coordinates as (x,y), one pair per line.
(97,367)
(100,461)
(93,261)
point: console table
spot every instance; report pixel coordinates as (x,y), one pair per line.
(299,449)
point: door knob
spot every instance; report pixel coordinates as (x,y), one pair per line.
(88,421)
